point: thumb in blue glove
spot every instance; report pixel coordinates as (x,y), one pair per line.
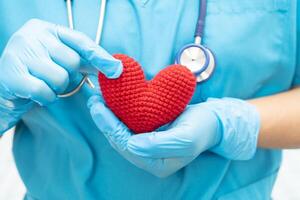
(228,127)
(159,153)
(40,60)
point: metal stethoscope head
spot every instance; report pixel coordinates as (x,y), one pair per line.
(196,57)
(85,78)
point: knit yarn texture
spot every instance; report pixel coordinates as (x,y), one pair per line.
(146,105)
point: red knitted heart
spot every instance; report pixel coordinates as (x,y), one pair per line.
(146,105)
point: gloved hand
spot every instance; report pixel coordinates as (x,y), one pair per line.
(228,127)
(38,63)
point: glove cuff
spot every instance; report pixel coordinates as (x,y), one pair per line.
(239,127)
(11,109)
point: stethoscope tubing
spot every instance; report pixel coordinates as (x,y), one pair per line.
(85,78)
(201,19)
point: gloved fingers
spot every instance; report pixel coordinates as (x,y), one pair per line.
(115,131)
(171,143)
(40,91)
(91,52)
(64,56)
(19,82)
(194,131)
(30,87)
(85,67)
(56,77)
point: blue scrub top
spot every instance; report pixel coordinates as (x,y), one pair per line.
(60,153)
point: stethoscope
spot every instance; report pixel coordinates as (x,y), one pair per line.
(85,78)
(196,57)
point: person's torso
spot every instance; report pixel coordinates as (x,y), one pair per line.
(61,154)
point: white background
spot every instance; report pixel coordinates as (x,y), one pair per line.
(11,188)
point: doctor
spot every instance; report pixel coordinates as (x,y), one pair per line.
(218,148)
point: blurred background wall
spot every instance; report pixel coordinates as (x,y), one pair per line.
(11,187)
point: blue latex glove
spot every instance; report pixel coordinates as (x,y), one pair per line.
(228,127)
(38,63)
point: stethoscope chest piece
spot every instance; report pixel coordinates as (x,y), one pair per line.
(196,57)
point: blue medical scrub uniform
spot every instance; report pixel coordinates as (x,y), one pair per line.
(61,154)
